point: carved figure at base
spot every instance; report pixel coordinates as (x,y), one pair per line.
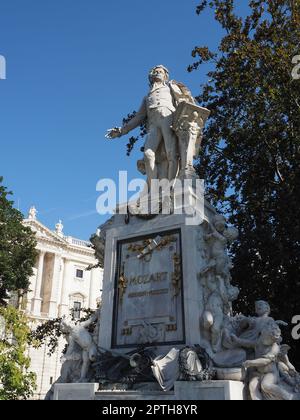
(80,338)
(253,326)
(81,351)
(288,372)
(218,305)
(264,382)
(241,328)
(231,356)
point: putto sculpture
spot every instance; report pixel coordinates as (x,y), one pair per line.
(265,382)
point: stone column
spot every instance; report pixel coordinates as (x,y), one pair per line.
(53,304)
(93,287)
(61,278)
(64,306)
(31,293)
(37,300)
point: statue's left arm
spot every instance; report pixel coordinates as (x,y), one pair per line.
(181,93)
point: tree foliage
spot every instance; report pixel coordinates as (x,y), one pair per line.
(17,382)
(17,248)
(251,151)
(134,139)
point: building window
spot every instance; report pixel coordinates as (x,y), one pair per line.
(76,310)
(79,273)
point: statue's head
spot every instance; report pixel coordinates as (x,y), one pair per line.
(65,325)
(271,334)
(262,308)
(233,293)
(231,234)
(158,74)
(220,223)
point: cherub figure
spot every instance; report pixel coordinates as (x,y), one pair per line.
(264,381)
(218,240)
(287,371)
(253,326)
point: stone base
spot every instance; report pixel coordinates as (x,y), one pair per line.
(134,396)
(183,391)
(168,303)
(75,392)
(210,391)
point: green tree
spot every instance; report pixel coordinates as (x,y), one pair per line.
(251,152)
(17,248)
(16,381)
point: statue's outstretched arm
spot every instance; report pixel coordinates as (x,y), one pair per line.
(259,363)
(263,361)
(89,321)
(136,121)
(282,323)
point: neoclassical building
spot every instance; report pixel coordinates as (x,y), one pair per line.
(60,285)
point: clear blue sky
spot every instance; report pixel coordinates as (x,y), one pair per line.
(74,69)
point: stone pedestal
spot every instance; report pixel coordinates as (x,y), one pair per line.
(79,392)
(183,391)
(151,292)
(167,287)
(209,391)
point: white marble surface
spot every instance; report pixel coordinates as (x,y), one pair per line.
(75,392)
(210,391)
(183,391)
(192,263)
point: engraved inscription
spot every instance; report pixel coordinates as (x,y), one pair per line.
(148,292)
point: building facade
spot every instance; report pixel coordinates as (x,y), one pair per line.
(60,286)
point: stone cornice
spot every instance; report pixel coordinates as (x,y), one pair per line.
(45,236)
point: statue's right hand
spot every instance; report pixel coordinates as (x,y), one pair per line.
(113,133)
(234,339)
(248,364)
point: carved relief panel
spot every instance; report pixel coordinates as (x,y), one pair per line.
(148,303)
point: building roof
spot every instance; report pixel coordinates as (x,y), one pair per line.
(56,238)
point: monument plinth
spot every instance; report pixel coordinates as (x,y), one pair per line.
(151,292)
